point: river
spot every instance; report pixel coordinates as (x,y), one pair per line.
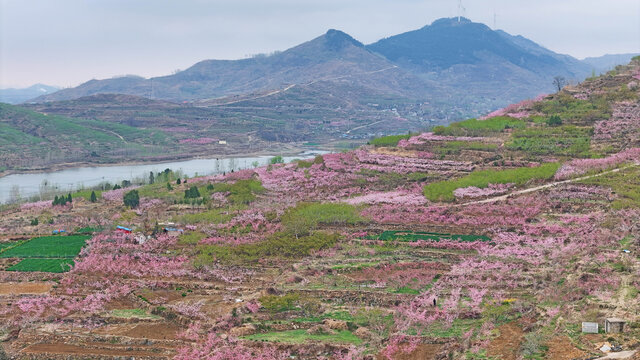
(68,180)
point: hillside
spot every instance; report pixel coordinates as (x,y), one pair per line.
(445,65)
(31,140)
(492,238)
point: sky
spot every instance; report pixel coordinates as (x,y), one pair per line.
(68,42)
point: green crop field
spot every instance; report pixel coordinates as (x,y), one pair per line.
(46,265)
(301,336)
(413,236)
(48,247)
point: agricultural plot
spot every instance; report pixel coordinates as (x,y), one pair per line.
(302,336)
(48,247)
(47,254)
(57,265)
(413,236)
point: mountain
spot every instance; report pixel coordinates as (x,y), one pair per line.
(16,96)
(471,57)
(458,61)
(334,55)
(607,62)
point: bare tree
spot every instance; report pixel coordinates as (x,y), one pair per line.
(559,82)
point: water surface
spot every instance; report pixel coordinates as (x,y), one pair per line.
(68,180)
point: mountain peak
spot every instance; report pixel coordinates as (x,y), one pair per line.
(337,40)
(454,21)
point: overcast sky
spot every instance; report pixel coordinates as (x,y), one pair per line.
(67,42)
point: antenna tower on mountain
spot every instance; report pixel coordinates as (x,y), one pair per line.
(461,10)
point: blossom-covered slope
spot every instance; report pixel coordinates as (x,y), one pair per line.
(486,239)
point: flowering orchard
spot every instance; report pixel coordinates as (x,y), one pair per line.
(345,257)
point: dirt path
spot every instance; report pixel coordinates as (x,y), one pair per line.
(618,355)
(546,186)
(271,93)
(111,132)
(288,87)
(75,350)
(364,126)
(507,345)
(24,288)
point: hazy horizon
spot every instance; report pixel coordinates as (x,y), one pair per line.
(69,42)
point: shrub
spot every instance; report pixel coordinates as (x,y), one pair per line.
(93,197)
(192,193)
(34,222)
(131,199)
(554,120)
(276,160)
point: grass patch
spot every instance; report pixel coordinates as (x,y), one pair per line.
(301,337)
(58,265)
(455,147)
(307,216)
(213,216)
(413,236)
(48,247)
(561,140)
(242,191)
(626,185)
(443,190)
(133,313)
(192,237)
(574,110)
(88,230)
(336,315)
(456,330)
(391,140)
(280,245)
(474,127)
(86,194)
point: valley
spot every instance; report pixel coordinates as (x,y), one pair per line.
(333,91)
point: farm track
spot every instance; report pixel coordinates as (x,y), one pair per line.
(289,87)
(542,187)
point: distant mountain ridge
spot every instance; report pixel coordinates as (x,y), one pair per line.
(332,55)
(607,62)
(18,95)
(424,58)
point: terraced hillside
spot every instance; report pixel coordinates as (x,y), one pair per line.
(486,239)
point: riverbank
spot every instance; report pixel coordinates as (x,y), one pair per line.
(289,150)
(68,180)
